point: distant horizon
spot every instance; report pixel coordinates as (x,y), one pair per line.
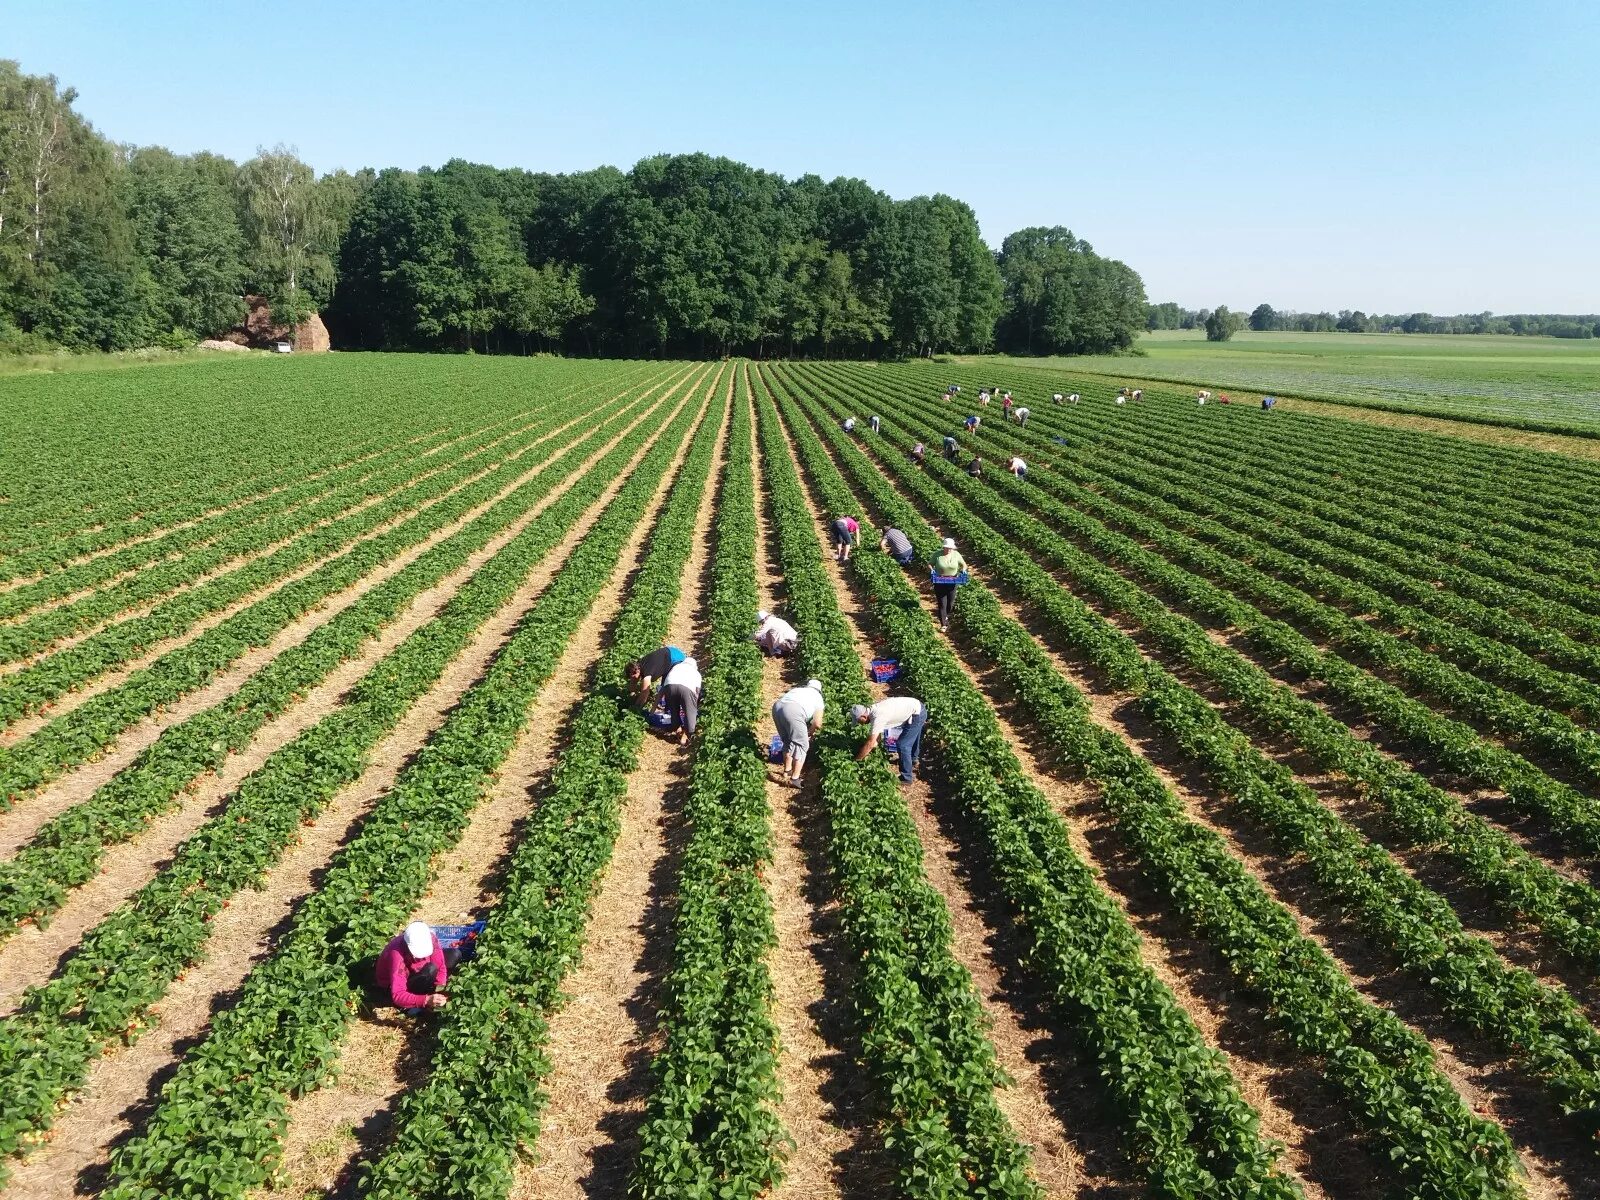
(1335,157)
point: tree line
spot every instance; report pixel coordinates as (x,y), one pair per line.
(114,247)
(1264,317)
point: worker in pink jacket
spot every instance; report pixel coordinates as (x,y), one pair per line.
(414,969)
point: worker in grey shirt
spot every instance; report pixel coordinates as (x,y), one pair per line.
(898,546)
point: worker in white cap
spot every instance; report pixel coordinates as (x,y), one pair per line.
(904,717)
(414,969)
(774,635)
(797,714)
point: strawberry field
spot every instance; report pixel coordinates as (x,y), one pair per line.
(1253,851)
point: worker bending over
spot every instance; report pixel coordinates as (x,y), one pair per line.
(414,968)
(797,714)
(846,533)
(681,691)
(950,447)
(1017,467)
(905,717)
(897,545)
(646,673)
(776,637)
(1022,415)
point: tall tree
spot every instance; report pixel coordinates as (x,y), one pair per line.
(287,228)
(186,228)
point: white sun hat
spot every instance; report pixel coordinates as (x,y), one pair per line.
(419,939)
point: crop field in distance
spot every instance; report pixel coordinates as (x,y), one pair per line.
(1549,384)
(1252,852)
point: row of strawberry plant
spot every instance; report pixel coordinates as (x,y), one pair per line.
(1556,735)
(1186,1124)
(1465,600)
(47,678)
(920,1023)
(218,1128)
(127,962)
(1378,537)
(119,564)
(446,424)
(75,736)
(710,1128)
(140,519)
(1418,1121)
(36,634)
(1408,479)
(86,530)
(1538,1024)
(1290,485)
(461,1132)
(122,459)
(68,850)
(1570,814)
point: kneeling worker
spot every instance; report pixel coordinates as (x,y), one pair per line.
(897,545)
(414,968)
(903,716)
(775,636)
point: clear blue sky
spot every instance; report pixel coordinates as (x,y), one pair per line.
(1411,154)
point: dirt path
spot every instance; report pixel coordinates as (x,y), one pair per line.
(826,1098)
(104,682)
(23,821)
(32,954)
(333,1128)
(123,1086)
(1066,1157)
(603,1040)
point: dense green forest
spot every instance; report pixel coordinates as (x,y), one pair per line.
(112,247)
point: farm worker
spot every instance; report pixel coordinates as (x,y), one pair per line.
(1123,392)
(1268,401)
(646,673)
(797,714)
(849,424)
(1223,397)
(903,716)
(1203,396)
(897,545)
(947,562)
(874,422)
(414,968)
(952,389)
(1022,415)
(1017,467)
(1124,400)
(1006,404)
(681,690)
(983,396)
(1138,393)
(1055,397)
(975,467)
(917,453)
(1073,399)
(774,635)
(972,422)
(950,447)
(1225,400)
(1203,399)
(846,533)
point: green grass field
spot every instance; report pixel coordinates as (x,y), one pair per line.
(1525,382)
